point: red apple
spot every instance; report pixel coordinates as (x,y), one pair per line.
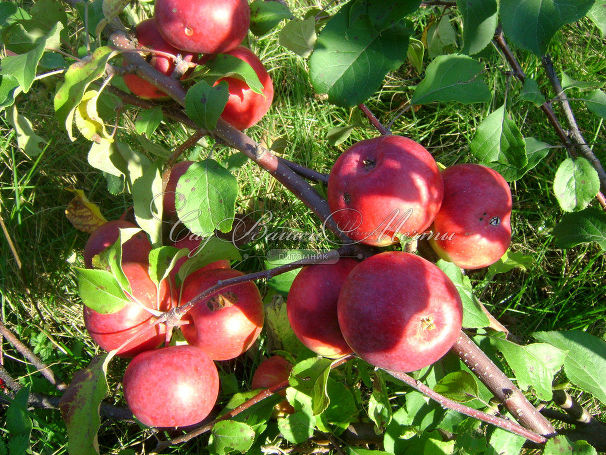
(111,330)
(474,221)
(271,372)
(170,192)
(192,244)
(174,386)
(399,311)
(244,107)
(384,188)
(226,325)
(136,249)
(204,26)
(148,36)
(312,307)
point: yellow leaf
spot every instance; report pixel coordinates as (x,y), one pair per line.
(83,214)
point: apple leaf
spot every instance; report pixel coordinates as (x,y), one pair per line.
(148,121)
(441,37)
(9,89)
(210,250)
(225,65)
(568,83)
(383,13)
(509,261)
(342,409)
(100,291)
(415,53)
(398,431)
(310,377)
(533,365)
(480,18)
(162,260)
(581,227)
(83,214)
(498,142)
(379,407)
(282,282)
(27,140)
(8,11)
(351,56)
(561,445)
(229,435)
(264,16)
(204,104)
(112,257)
(452,78)
(598,15)
(585,362)
(336,136)
(596,103)
(297,428)
(473,316)
(19,423)
(506,443)
(88,122)
(532,23)
(23,67)
(458,385)
(77,78)
(277,326)
(359,451)
(575,184)
(299,36)
(206,198)
(535,151)
(531,92)
(255,416)
(80,404)
(105,156)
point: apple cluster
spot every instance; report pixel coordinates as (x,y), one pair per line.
(192,33)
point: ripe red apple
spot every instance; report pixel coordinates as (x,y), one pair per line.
(226,325)
(244,107)
(111,330)
(148,36)
(170,192)
(312,307)
(474,221)
(271,372)
(174,386)
(399,311)
(204,26)
(383,188)
(136,249)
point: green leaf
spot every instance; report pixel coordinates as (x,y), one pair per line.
(299,36)
(210,250)
(473,316)
(531,92)
(255,416)
(225,65)
(499,140)
(338,135)
(79,407)
(207,198)
(441,37)
(266,15)
(398,432)
(27,140)
(480,18)
(310,377)
(379,407)
(9,89)
(112,257)
(415,53)
(47,13)
(596,102)
(585,363)
(351,57)
(162,260)
(509,261)
(19,423)
(532,23)
(204,104)
(148,121)
(575,184)
(100,291)
(568,83)
(278,329)
(297,427)
(342,409)
(598,15)
(23,67)
(8,11)
(452,78)
(359,451)
(581,227)
(458,385)
(535,151)
(282,282)
(533,365)
(76,80)
(229,435)
(106,157)
(435,446)
(506,443)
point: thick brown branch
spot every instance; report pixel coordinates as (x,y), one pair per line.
(501,386)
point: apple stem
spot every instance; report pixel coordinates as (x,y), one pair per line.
(505,424)
(373,120)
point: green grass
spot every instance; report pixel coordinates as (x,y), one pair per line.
(562,290)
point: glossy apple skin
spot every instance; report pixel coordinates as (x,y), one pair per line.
(148,36)
(399,312)
(382,186)
(475,217)
(204,26)
(169,387)
(244,107)
(312,307)
(271,372)
(225,325)
(170,192)
(111,330)
(136,249)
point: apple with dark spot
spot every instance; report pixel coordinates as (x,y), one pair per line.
(171,196)
(135,249)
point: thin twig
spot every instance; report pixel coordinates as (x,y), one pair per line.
(505,424)
(190,142)
(305,172)
(373,120)
(11,245)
